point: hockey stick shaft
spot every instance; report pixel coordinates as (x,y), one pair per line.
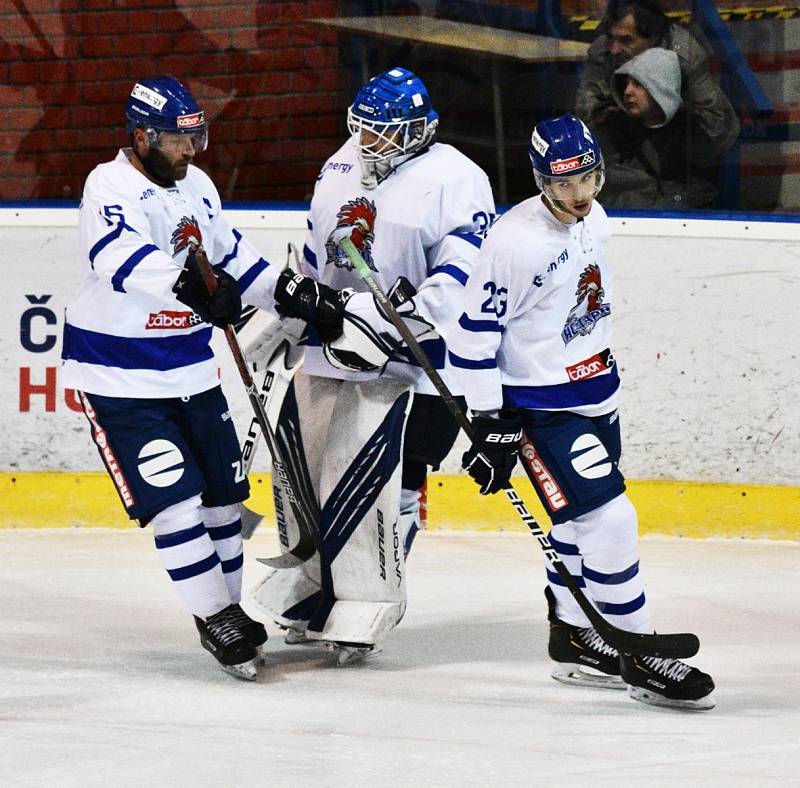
(673,646)
(279,468)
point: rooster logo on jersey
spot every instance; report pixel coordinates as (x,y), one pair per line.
(187,235)
(589,308)
(355,220)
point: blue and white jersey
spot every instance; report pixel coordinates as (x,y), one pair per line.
(536,328)
(425,222)
(125,334)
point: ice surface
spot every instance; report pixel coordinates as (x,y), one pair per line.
(103,681)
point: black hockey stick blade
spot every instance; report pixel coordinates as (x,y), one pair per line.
(296,556)
(677,645)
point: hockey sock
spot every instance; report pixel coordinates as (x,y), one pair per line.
(609,545)
(563,538)
(187,553)
(224,526)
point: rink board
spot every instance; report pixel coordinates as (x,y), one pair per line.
(669,508)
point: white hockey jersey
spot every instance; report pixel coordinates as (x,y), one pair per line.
(426,222)
(125,334)
(536,329)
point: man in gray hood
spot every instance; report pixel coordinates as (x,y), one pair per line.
(655,157)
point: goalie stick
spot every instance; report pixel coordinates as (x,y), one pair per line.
(670,646)
(306,546)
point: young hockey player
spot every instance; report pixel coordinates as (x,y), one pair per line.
(416,209)
(136,348)
(532,351)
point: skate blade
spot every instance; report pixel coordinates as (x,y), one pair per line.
(653,699)
(244,670)
(577,676)
(350,655)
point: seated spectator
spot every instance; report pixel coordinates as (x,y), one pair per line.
(629,28)
(655,157)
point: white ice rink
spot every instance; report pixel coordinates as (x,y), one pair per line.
(104,682)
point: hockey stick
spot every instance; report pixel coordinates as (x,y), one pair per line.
(672,646)
(306,547)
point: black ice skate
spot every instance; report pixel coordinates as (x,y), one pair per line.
(667,682)
(228,644)
(253,630)
(580,656)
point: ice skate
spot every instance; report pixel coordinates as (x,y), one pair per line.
(253,630)
(667,682)
(580,656)
(352,653)
(228,644)
(295,636)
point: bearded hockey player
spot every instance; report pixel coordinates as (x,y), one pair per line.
(366,422)
(136,348)
(535,362)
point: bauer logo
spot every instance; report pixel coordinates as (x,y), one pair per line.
(161,463)
(149,97)
(172,320)
(590,458)
(190,121)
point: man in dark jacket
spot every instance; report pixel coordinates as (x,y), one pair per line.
(631,27)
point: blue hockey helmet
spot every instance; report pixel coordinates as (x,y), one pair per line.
(164,104)
(564,147)
(395,111)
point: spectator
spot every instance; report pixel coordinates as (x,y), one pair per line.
(655,156)
(629,28)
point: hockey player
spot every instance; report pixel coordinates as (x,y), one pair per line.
(533,354)
(416,209)
(136,348)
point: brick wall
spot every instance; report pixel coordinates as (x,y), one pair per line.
(269,82)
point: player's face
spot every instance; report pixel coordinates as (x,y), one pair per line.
(379,143)
(574,196)
(638,102)
(177,151)
(624,40)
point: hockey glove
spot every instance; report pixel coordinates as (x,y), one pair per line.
(301,296)
(220,308)
(369,337)
(493,454)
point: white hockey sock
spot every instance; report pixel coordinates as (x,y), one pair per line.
(563,538)
(187,553)
(224,525)
(409,517)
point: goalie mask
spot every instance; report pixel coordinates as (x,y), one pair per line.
(391,120)
(567,164)
(165,109)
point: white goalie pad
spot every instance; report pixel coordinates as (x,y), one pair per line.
(352,439)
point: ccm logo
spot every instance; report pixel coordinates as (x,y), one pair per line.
(504,437)
(168,319)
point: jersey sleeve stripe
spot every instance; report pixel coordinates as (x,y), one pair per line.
(106,240)
(158,353)
(249,276)
(310,257)
(470,238)
(469,324)
(468,363)
(451,270)
(125,270)
(235,251)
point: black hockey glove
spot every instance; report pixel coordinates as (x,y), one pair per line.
(220,308)
(493,454)
(301,296)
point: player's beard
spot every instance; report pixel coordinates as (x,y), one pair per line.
(163,171)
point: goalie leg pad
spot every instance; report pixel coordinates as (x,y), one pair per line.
(363,565)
